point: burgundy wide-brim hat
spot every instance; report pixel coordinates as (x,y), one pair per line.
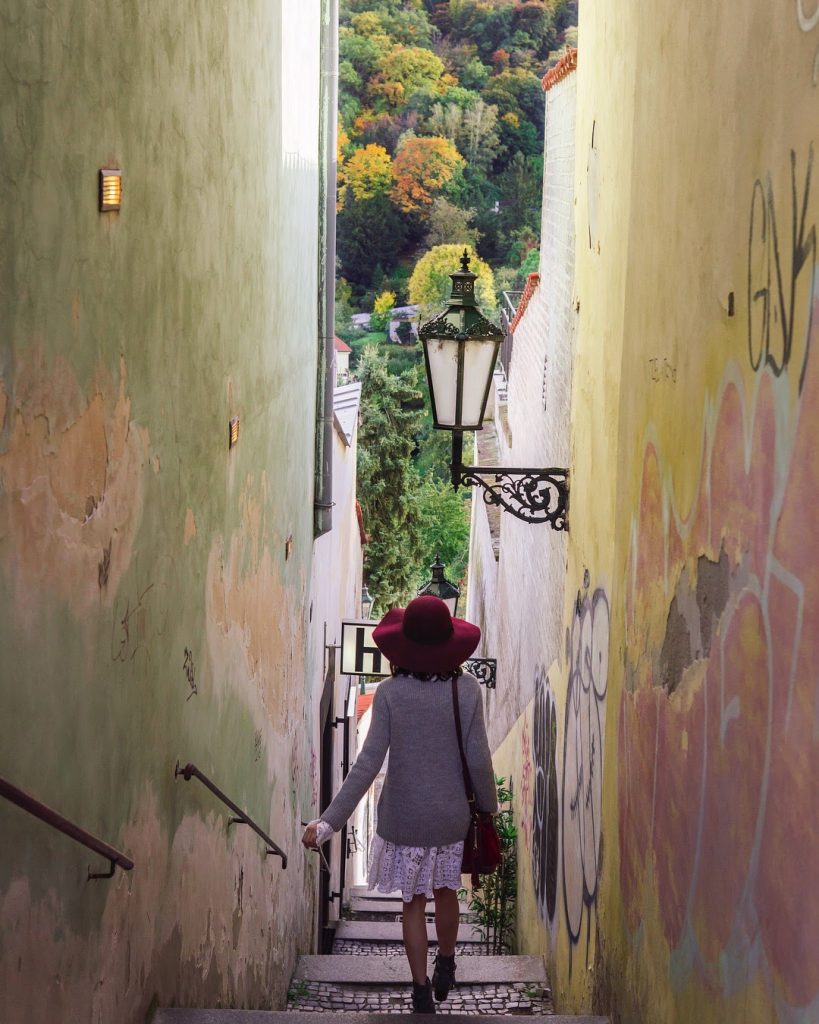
(423,637)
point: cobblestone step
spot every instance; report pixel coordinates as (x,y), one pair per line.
(385,970)
(493,1000)
(390,931)
(353,947)
(178,1016)
(370,905)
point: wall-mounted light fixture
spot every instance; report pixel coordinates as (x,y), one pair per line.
(110,189)
(439,586)
(366,602)
(460,348)
(233,432)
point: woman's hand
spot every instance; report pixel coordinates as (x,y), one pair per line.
(310,837)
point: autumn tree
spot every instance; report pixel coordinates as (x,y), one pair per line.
(382,307)
(368,172)
(430,286)
(422,167)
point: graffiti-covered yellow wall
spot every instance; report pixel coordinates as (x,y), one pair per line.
(677,736)
(711,749)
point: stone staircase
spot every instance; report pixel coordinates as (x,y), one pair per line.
(367,979)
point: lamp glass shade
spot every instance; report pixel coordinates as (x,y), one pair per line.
(479,364)
(442,363)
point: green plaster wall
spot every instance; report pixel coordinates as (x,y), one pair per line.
(151,606)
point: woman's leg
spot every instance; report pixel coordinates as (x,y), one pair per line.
(447,916)
(414,928)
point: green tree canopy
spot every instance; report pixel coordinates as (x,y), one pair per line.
(444,516)
(387,482)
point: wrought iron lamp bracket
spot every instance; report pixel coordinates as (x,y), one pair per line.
(484,670)
(532,495)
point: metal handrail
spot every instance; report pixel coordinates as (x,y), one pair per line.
(51,817)
(511,299)
(190,770)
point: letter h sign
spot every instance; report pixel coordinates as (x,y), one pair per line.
(359,655)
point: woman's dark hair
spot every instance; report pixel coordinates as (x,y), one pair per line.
(396,670)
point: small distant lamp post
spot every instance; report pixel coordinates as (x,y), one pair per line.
(439,586)
(460,349)
(366,602)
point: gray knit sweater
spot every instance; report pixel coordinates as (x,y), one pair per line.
(423,802)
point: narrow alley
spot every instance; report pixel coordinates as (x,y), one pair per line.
(313,312)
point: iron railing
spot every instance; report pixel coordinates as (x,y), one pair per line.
(190,771)
(56,820)
(508,309)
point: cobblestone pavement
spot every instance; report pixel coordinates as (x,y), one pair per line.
(517,998)
(348,947)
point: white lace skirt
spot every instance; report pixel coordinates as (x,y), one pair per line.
(414,870)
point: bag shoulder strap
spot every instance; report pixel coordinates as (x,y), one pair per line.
(470,789)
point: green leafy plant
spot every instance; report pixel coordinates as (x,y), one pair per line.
(297,991)
(493,902)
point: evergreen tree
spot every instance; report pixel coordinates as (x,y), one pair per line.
(387,483)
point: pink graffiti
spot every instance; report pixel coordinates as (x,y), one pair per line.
(717,778)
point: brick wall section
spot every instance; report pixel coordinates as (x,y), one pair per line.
(519,602)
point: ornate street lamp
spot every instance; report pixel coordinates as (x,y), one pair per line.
(366,602)
(460,348)
(439,586)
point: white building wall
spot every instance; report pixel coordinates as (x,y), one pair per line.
(518,601)
(335,594)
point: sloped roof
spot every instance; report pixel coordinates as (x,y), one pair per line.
(362,704)
(565,66)
(341,346)
(346,401)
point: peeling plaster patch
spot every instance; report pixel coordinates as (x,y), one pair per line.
(692,618)
(168,930)
(190,527)
(71,479)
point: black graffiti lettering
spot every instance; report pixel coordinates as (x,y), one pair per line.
(775,287)
(545,824)
(583,760)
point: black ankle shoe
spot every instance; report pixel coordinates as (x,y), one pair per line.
(443,977)
(422,998)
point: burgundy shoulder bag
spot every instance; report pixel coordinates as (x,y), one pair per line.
(482,849)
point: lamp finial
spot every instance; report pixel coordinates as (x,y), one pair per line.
(465,261)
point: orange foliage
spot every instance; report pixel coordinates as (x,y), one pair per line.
(422,167)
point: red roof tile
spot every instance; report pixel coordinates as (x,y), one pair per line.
(532,283)
(362,705)
(564,67)
(341,346)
